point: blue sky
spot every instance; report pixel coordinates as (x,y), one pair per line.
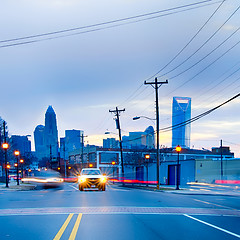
(85,75)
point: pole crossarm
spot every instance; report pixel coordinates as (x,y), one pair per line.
(156,84)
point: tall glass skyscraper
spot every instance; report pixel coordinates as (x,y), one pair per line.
(51,132)
(181,112)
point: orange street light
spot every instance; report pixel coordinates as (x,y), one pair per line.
(21,161)
(90,165)
(15,164)
(178,149)
(147,156)
(59,168)
(5,146)
(113,163)
(16,153)
(8,166)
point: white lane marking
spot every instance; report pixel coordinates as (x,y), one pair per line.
(213,226)
(73,187)
(218,205)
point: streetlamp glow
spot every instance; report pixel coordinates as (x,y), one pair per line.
(16,153)
(147,156)
(178,149)
(5,146)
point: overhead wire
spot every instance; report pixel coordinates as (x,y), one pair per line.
(207,55)
(209,65)
(199,48)
(184,123)
(188,43)
(99,27)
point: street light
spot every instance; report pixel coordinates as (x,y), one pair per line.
(17,153)
(147,157)
(21,161)
(113,166)
(178,149)
(158,155)
(5,146)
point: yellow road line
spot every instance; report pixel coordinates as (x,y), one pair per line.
(62,229)
(75,228)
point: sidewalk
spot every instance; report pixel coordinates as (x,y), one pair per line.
(190,190)
(12,186)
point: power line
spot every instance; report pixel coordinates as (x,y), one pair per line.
(222,55)
(201,45)
(166,129)
(99,25)
(200,60)
(188,43)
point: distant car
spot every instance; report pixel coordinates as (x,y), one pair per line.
(92,177)
(45,178)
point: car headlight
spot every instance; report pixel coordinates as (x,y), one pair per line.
(81,179)
(103,179)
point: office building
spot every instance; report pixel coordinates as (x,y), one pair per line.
(110,143)
(181,112)
(140,140)
(21,143)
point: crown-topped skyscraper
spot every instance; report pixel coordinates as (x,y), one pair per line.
(46,137)
(51,132)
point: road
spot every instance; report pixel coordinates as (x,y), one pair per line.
(118,213)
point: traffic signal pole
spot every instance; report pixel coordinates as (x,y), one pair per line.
(157,85)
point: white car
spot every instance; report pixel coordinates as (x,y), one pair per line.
(92,177)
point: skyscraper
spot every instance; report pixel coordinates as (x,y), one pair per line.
(51,132)
(46,137)
(181,112)
(39,141)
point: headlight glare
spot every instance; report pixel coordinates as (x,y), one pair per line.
(103,179)
(82,179)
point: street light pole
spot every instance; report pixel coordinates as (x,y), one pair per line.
(5,146)
(178,149)
(17,153)
(21,161)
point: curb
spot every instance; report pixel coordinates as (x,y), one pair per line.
(21,187)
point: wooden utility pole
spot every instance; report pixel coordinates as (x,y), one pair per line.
(157,85)
(117,112)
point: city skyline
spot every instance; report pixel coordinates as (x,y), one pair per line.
(85,75)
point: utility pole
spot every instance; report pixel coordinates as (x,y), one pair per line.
(82,136)
(157,85)
(221,160)
(117,112)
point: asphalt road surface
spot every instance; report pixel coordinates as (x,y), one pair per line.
(118,213)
